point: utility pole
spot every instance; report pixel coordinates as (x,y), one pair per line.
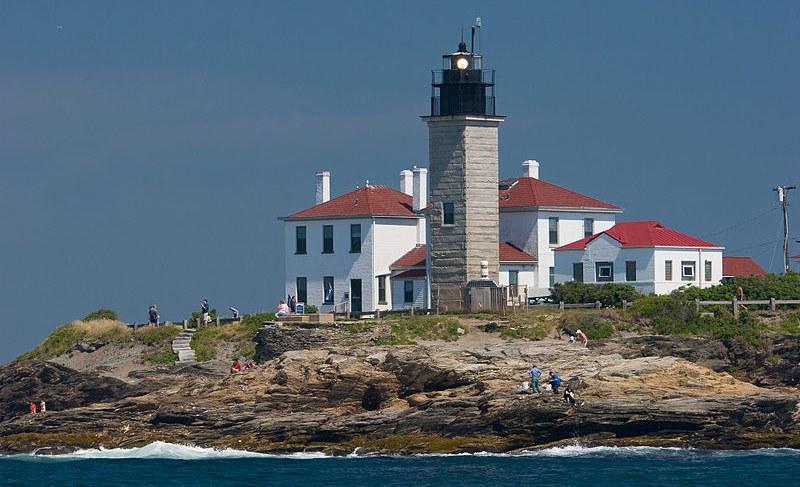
(782,190)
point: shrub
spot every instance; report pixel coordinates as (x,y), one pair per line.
(610,294)
(404,328)
(594,325)
(102,314)
(310,309)
(59,342)
(150,335)
(791,324)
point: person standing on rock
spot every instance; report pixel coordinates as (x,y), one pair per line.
(204,310)
(554,381)
(583,337)
(33,408)
(535,373)
(42,407)
(152,315)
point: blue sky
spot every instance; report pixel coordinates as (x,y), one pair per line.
(146,148)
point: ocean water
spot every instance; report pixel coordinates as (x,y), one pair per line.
(167,464)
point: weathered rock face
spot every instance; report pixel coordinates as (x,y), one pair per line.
(409,399)
(60,387)
(775,363)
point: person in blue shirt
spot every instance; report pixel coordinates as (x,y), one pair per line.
(535,373)
(554,381)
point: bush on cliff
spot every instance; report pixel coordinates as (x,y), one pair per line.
(206,339)
(610,294)
(595,325)
(405,328)
(102,314)
(65,336)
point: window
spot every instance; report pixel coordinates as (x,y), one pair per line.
(588,227)
(381,289)
(553,230)
(577,271)
(355,239)
(668,270)
(327,239)
(552,276)
(448,211)
(302,290)
(327,289)
(707,271)
(687,270)
(408,291)
(604,271)
(513,278)
(630,270)
(300,240)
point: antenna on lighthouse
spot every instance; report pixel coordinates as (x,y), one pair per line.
(476,26)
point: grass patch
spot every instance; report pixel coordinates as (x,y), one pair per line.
(207,338)
(530,325)
(102,314)
(595,325)
(161,357)
(64,337)
(404,329)
(791,324)
(150,335)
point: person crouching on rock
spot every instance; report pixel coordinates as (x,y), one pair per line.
(569,395)
(33,408)
(554,381)
(236,367)
(583,337)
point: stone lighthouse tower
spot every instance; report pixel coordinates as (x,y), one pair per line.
(463,214)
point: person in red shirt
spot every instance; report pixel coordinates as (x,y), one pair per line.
(583,337)
(236,367)
(33,408)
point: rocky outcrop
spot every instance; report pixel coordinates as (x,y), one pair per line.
(440,398)
(60,387)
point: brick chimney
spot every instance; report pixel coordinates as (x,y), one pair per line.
(323,186)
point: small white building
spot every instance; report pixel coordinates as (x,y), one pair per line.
(536,217)
(339,250)
(646,255)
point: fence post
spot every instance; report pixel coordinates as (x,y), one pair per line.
(217,321)
(198,323)
(377,314)
(185,324)
(411,311)
(736,309)
(597,305)
(772,304)
(561,306)
(135,326)
(697,304)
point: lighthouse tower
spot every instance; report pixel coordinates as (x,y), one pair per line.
(463,213)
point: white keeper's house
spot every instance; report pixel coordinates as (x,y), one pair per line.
(646,255)
(367,248)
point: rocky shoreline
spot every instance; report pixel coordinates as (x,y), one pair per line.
(313,392)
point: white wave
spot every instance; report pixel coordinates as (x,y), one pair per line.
(167,451)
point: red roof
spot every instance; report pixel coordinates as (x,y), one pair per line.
(510,253)
(369,200)
(411,274)
(741,266)
(643,234)
(795,256)
(535,192)
(417,256)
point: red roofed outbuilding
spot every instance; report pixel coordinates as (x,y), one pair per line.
(646,255)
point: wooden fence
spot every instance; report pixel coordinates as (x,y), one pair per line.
(772,302)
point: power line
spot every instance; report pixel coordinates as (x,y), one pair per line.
(754,246)
(742,223)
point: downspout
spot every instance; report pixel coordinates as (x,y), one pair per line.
(373,285)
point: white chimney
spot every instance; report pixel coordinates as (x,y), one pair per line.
(420,188)
(405,182)
(484,269)
(323,186)
(530,169)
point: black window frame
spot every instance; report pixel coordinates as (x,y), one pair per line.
(552,234)
(577,271)
(355,238)
(630,270)
(448,213)
(381,289)
(590,232)
(327,240)
(302,291)
(298,248)
(325,281)
(598,266)
(408,292)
